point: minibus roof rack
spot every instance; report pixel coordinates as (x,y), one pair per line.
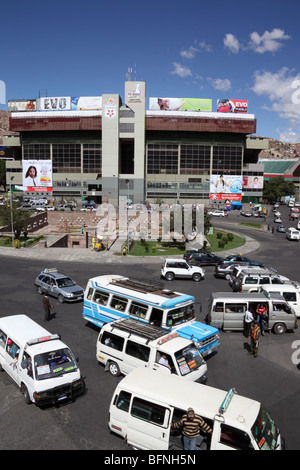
(144,285)
(147,331)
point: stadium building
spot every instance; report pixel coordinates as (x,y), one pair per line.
(101,149)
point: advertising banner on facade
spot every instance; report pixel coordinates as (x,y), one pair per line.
(223,187)
(37,175)
(86,102)
(180,104)
(232,106)
(21,105)
(61,103)
(253,182)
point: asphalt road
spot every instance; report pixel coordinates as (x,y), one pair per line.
(272,378)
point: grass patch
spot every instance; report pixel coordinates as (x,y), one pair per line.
(252,224)
(150,248)
(230,245)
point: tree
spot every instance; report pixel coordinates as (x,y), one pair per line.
(3,174)
(21,219)
(278,187)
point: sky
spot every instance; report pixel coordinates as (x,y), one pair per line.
(182,49)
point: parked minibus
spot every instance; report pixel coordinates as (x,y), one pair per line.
(146,403)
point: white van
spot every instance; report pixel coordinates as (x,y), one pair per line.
(289,291)
(293,234)
(126,344)
(40,363)
(146,403)
(251,280)
(227,310)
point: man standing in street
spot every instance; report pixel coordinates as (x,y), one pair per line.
(47,307)
(191,425)
(248,319)
(255,335)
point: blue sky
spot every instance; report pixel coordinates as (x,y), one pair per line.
(194,49)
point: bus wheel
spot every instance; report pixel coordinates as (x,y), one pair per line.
(279,328)
(114,369)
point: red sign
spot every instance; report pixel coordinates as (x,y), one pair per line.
(232,106)
(224,197)
(39,189)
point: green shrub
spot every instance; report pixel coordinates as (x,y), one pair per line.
(230,236)
(225,239)
(219,234)
(221,243)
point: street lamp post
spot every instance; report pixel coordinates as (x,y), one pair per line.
(11,213)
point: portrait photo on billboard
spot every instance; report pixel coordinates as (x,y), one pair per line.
(37,173)
(226,184)
(253,182)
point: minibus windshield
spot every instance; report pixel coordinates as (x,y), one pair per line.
(54,363)
(181,314)
(188,359)
(265,431)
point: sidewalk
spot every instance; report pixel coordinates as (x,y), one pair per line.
(85,255)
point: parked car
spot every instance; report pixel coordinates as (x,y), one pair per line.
(88,205)
(281,228)
(174,268)
(202,257)
(241,260)
(217,213)
(58,285)
(278,220)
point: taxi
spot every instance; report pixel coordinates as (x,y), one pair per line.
(58,285)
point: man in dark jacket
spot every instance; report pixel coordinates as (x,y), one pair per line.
(47,307)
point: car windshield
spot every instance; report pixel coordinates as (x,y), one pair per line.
(54,363)
(265,431)
(188,359)
(65,282)
(180,315)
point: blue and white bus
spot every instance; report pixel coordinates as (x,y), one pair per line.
(111,297)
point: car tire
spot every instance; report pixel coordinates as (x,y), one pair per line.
(25,394)
(170,276)
(197,277)
(114,369)
(279,328)
(61,298)
(40,290)
(227,277)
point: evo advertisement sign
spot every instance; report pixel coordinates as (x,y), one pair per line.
(232,106)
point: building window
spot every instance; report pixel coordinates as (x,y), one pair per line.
(66,158)
(194,159)
(162,158)
(36,152)
(92,158)
(227,159)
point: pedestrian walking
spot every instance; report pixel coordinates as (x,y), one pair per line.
(255,335)
(248,319)
(47,307)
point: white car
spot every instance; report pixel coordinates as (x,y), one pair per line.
(217,213)
(178,268)
(50,208)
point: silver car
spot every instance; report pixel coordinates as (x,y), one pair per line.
(58,285)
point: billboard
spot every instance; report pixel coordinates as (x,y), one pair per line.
(223,187)
(37,175)
(86,102)
(232,106)
(21,105)
(180,104)
(253,182)
(61,103)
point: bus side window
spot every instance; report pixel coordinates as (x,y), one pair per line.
(118,303)
(101,297)
(156,316)
(3,338)
(90,293)
(123,401)
(138,309)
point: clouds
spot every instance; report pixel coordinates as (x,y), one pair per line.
(282,89)
(181,70)
(269,41)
